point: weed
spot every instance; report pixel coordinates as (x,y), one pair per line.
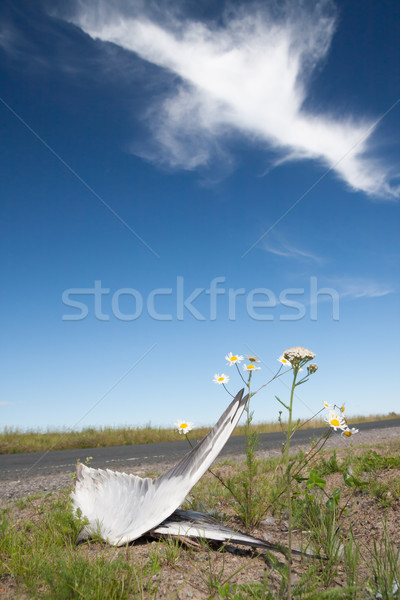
(38,552)
(386,568)
(319,517)
(351,559)
(372,461)
(327,467)
(214,578)
(41,556)
(154,558)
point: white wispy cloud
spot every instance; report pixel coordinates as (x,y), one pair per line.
(277,244)
(248,74)
(354,288)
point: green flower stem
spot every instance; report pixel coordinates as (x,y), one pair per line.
(288,482)
(308,420)
(289,431)
(187,439)
(217,476)
(226,389)
(241,376)
(276,376)
(310,456)
(248,401)
(301,465)
(249,456)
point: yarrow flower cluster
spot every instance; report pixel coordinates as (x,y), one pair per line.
(183,426)
(298,355)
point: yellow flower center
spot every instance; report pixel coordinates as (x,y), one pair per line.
(249,367)
(233,358)
(342,408)
(347,433)
(220,378)
(326,405)
(183,425)
(335,422)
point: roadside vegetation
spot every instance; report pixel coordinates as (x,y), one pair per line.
(333,515)
(13,440)
(345,513)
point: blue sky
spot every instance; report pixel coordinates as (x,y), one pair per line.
(165,150)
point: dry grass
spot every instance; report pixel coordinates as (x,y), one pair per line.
(13,441)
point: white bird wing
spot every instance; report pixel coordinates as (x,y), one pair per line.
(190,523)
(120,507)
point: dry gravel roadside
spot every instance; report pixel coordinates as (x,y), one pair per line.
(12,490)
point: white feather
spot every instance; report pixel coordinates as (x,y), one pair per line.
(120,507)
(189,523)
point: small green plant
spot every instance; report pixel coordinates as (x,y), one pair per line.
(171,551)
(386,568)
(248,493)
(22,503)
(155,558)
(372,461)
(214,577)
(351,560)
(318,515)
(327,467)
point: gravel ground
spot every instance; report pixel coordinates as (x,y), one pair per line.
(12,490)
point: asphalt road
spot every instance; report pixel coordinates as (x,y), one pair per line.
(23,466)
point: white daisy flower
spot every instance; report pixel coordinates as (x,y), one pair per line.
(328,406)
(285,361)
(335,420)
(184,426)
(349,432)
(252,358)
(220,378)
(250,367)
(233,358)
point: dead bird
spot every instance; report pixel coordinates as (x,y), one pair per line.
(120,508)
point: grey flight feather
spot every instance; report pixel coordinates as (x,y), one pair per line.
(191,523)
(194,524)
(121,507)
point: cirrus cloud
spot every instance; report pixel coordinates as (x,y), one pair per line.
(248,74)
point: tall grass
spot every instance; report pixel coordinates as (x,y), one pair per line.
(39,557)
(14,440)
